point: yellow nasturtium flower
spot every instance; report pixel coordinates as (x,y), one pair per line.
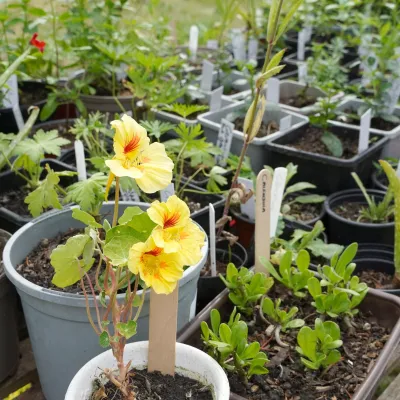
(175,231)
(135,157)
(157,269)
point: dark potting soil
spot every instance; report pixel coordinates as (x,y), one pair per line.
(298,101)
(196,201)
(229,90)
(13,200)
(304,212)
(30,97)
(289,379)
(376,123)
(221,268)
(188,171)
(265,129)
(376,279)
(310,141)
(155,386)
(352,211)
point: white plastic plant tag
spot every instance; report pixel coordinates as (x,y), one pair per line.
(213,252)
(224,141)
(308,33)
(11,100)
(365,125)
(252,50)
(238,44)
(80,160)
(302,73)
(207,76)
(285,123)
(216,99)
(166,193)
(193,42)
(278,188)
(129,195)
(273,90)
(249,208)
(212,44)
(301,45)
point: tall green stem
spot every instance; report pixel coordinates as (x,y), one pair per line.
(54,27)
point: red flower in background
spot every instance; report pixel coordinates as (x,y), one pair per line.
(37,43)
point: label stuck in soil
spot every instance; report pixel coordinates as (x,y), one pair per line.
(301,45)
(129,195)
(216,99)
(285,123)
(365,125)
(212,44)
(11,100)
(193,41)
(166,193)
(249,207)
(207,76)
(224,141)
(273,90)
(80,160)
(238,44)
(252,50)
(302,73)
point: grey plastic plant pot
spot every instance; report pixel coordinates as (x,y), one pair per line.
(9,343)
(106,104)
(328,173)
(385,308)
(61,336)
(392,147)
(211,123)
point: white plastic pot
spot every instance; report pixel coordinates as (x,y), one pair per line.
(189,362)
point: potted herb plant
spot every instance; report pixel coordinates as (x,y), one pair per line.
(63,310)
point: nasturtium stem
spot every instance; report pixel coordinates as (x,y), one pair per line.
(115,217)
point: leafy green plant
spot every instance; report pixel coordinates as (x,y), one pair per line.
(318,347)
(245,287)
(294,278)
(185,110)
(228,344)
(375,212)
(156,129)
(338,291)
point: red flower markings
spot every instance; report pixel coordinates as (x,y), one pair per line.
(37,43)
(232,223)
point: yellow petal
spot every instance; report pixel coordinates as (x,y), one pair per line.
(110,180)
(174,213)
(191,241)
(118,169)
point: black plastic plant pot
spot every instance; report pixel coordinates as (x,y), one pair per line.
(328,173)
(379,181)
(344,231)
(11,221)
(209,287)
(372,256)
(203,182)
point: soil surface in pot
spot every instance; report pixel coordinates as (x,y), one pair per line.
(298,101)
(288,379)
(13,200)
(353,212)
(376,279)
(304,212)
(197,202)
(30,97)
(265,129)
(376,123)
(155,386)
(221,268)
(310,140)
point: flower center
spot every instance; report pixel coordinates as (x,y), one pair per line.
(172,220)
(132,145)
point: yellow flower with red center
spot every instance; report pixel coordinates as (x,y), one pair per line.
(135,157)
(157,269)
(175,231)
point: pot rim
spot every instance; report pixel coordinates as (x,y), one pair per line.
(343,193)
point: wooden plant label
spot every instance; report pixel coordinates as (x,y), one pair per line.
(216,99)
(263,215)
(212,44)
(238,44)
(11,100)
(249,208)
(278,188)
(166,193)
(285,123)
(162,332)
(302,73)
(273,90)
(193,42)
(301,45)
(252,50)
(224,141)
(213,252)
(207,76)
(365,125)
(80,160)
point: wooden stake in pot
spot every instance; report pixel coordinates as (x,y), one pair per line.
(263,215)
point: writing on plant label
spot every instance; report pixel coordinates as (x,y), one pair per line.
(212,44)
(249,208)
(302,73)
(166,193)
(285,123)
(252,49)
(224,141)
(193,42)
(11,100)
(213,251)
(301,45)
(207,76)
(239,45)
(216,99)
(129,195)
(278,188)
(80,160)
(273,90)
(365,125)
